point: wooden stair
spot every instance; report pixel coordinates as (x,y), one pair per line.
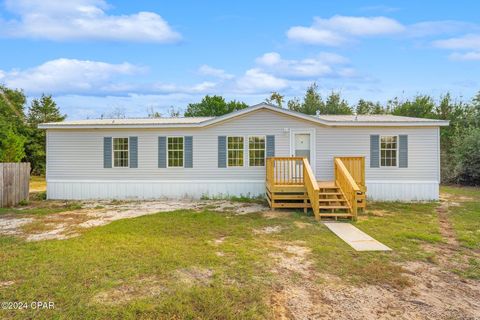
(332,202)
(291,183)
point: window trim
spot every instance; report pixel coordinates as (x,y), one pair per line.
(380,150)
(243,165)
(264,150)
(113,153)
(167,156)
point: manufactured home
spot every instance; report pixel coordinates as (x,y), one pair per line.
(259,150)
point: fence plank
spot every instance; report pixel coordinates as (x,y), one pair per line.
(14,183)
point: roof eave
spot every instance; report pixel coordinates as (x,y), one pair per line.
(388,124)
(118,126)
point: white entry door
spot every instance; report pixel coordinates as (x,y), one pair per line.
(302,147)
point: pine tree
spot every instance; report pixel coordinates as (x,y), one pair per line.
(41,110)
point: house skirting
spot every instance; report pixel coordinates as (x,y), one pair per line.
(402,190)
(113,189)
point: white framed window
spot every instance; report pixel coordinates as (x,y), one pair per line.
(120,152)
(175,151)
(235,151)
(388,151)
(256,151)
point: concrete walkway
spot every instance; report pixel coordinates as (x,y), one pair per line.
(357,239)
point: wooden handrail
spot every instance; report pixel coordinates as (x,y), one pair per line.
(312,188)
(356,167)
(284,171)
(347,184)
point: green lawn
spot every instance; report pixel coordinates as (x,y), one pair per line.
(135,268)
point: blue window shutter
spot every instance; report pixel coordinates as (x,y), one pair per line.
(374,151)
(162,152)
(270,146)
(222,151)
(107,152)
(133,148)
(188,152)
(403,151)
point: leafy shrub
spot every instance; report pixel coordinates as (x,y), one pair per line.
(467,158)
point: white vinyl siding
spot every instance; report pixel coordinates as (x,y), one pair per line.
(120,152)
(77,154)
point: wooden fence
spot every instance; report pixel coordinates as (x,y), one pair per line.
(14,183)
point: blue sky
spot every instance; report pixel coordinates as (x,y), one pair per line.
(96,56)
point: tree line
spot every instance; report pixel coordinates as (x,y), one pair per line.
(21,140)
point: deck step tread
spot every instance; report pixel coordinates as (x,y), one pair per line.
(333,207)
(339,215)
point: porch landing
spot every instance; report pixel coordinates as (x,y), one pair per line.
(290,183)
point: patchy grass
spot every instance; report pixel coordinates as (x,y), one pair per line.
(462,192)
(42,207)
(73,272)
(243,198)
(210,265)
(465,217)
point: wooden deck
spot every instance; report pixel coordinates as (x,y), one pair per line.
(290,183)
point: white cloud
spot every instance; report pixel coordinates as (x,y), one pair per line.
(443,27)
(83,19)
(207,70)
(338,29)
(269,59)
(467,56)
(70,76)
(469,41)
(309,68)
(171,88)
(205,86)
(312,35)
(256,80)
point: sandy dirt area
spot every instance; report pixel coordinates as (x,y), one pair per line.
(433,293)
(69,224)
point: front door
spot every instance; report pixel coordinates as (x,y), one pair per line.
(302,146)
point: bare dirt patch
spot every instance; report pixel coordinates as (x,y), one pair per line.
(219,241)
(302,293)
(302,225)
(194,276)
(140,288)
(268,230)
(11,225)
(446,228)
(4,284)
(273,214)
(295,292)
(68,224)
(434,294)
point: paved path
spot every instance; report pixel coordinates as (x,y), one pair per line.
(357,239)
